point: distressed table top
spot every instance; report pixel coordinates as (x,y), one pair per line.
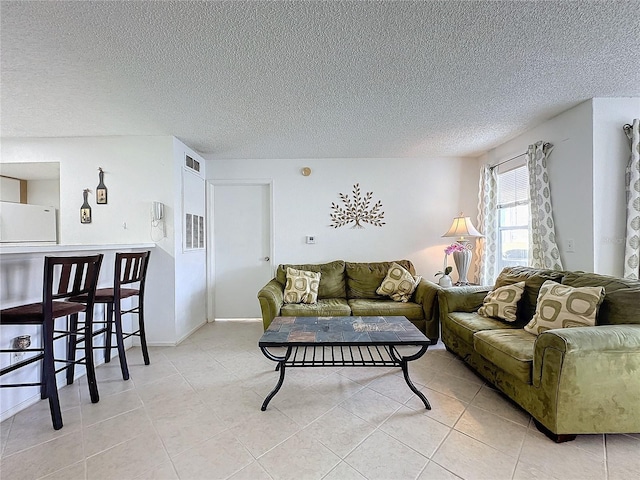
(286,331)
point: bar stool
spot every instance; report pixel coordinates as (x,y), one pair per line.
(64,277)
(130,268)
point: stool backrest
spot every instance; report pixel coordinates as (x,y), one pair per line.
(131,268)
(66,277)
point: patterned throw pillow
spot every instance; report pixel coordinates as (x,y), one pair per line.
(502,302)
(302,286)
(562,306)
(399,284)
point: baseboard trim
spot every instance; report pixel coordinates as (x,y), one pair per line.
(19,407)
(191,332)
(160,344)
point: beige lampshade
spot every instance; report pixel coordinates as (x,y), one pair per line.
(461,228)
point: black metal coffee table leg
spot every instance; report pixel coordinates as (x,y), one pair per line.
(281,366)
(413,388)
(275,390)
(405,371)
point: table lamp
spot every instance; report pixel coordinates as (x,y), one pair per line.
(462,228)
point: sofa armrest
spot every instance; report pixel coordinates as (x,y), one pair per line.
(593,376)
(426,294)
(271,298)
(580,342)
(461,299)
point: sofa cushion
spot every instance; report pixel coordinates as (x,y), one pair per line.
(398,284)
(621,304)
(365,308)
(332,283)
(363,279)
(302,286)
(502,302)
(620,307)
(326,307)
(510,350)
(533,279)
(464,325)
(562,306)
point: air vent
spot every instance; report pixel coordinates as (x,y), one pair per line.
(192,164)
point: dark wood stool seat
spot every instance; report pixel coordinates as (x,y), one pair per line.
(130,268)
(107,295)
(32,313)
(64,277)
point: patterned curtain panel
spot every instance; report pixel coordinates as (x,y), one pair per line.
(543,250)
(486,248)
(632,245)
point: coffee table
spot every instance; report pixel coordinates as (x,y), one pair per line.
(344,342)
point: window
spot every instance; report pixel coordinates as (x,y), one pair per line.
(513,217)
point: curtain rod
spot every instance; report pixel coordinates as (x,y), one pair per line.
(505,161)
(547,145)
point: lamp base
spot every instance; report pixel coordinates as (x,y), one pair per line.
(463,262)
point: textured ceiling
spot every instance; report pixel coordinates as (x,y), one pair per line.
(31,171)
(311,79)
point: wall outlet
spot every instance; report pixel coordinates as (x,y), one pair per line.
(17,357)
(21,343)
(311,239)
(571,245)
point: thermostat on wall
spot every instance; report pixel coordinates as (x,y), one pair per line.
(311,239)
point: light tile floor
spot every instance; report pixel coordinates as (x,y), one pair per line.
(194,413)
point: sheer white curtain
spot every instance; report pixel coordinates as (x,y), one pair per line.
(632,245)
(543,250)
(487,246)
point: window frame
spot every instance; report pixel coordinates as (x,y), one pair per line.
(500,260)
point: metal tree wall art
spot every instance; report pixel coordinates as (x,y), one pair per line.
(357,210)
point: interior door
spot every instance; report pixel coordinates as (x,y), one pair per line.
(242,248)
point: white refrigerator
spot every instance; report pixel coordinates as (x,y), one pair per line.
(22,223)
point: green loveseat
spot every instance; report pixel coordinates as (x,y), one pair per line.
(571,380)
(348,288)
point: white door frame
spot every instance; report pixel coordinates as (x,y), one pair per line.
(211,271)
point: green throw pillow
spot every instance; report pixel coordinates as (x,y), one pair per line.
(301,286)
(399,284)
(562,306)
(502,302)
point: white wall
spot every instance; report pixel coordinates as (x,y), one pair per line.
(44,192)
(138,170)
(611,154)
(586,171)
(420,197)
(571,178)
(9,190)
(191,265)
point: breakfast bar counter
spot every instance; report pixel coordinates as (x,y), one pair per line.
(21,267)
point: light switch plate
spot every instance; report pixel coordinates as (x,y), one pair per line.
(571,245)
(311,239)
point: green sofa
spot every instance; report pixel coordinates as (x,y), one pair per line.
(348,288)
(571,380)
